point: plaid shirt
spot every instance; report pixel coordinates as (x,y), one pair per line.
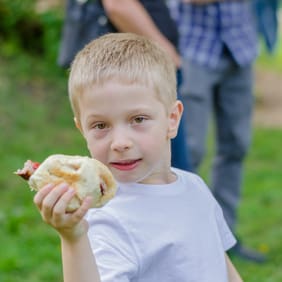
(205,29)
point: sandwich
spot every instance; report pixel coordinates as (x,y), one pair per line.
(87,176)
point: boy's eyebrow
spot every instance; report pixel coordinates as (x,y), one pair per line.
(140,110)
(133,111)
(94,116)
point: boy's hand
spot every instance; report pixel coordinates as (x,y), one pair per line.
(52,202)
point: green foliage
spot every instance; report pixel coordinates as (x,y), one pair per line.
(12,11)
(52,22)
(23,29)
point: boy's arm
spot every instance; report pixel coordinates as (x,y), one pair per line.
(131,16)
(78,261)
(77,257)
(233,275)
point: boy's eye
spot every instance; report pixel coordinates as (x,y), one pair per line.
(100,125)
(139,119)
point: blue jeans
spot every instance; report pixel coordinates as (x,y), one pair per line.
(226,94)
(180,157)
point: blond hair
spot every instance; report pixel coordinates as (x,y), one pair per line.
(126,58)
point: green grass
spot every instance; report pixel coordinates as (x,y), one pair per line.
(36,121)
(271,61)
(260,214)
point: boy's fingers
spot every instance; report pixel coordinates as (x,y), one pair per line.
(80,213)
(54,195)
(40,195)
(61,205)
(50,199)
(71,224)
(52,202)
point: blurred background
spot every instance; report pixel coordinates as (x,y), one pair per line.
(36,121)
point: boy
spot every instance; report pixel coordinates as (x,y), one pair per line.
(163,225)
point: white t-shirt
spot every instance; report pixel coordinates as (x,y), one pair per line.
(169,233)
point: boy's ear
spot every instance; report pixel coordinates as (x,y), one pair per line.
(77,124)
(174,119)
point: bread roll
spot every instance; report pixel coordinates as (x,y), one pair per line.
(87,176)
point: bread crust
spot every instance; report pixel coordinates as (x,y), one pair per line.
(87,176)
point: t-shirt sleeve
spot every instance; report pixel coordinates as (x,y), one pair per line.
(227,238)
(111,245)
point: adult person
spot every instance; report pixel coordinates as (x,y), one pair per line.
(218,45)
(151,19)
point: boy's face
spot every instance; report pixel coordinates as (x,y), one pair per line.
(127,128)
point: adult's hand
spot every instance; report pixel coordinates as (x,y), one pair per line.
(131,16)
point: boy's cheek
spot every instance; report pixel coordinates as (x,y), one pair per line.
(95,150)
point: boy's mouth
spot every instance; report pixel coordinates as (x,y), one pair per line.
(125,164)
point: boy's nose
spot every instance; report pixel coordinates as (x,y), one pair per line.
(120,141)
